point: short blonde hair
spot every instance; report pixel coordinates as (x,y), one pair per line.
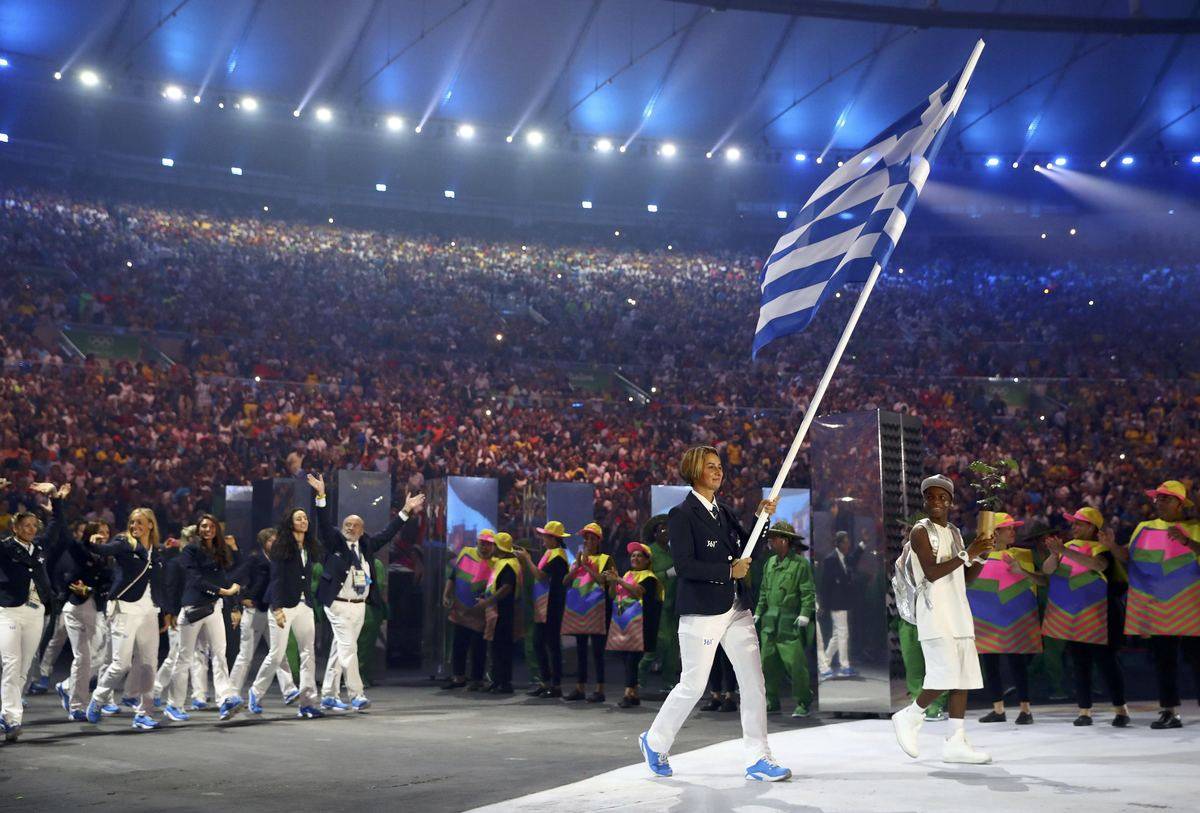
(151,520)
(692,464)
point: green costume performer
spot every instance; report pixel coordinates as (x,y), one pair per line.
(372,623)
(666,652)
(787,601)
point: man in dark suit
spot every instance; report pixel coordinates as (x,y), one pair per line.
(715,607)
(345,587)
(837,599)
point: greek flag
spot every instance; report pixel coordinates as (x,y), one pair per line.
(854,219)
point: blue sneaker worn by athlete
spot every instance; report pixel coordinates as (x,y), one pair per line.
(847,672)
(11,732)
(334,704)
(310,712)
(93,712)
(176,714)
(656,762)
(40,686)
(359,703)
(229,707)
(129,702)
(768,770)
(290,697)
(109,709)
(144,722)
(63,697)
(255,706)
(199,705)
(158,702)
(77,716)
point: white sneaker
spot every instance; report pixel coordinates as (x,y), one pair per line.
(907,725)
(956,748)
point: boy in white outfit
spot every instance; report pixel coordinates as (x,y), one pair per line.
(945,626)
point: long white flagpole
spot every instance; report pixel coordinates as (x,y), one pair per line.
(847,332)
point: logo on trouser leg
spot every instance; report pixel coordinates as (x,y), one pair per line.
(708,641)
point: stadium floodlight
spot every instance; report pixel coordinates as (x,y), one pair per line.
(1196,158)
(992,161)
(324,115)
(781,214)
(604,145)
(1127,161)
(465,131)
(380,187)
(801,157)
(535,139)
(448,194)
(1060,161)
(820,159)
(296,113)
(1072,232)
(733,154)
(173,93)
(3,62)
(3,138)
(395,123)
(652,208)
(57,75)
(586,204)
(235,170)
(1016,164)
(249,104)
(668,150)
(89,78)
(331,221)
(196,99)
(168,162)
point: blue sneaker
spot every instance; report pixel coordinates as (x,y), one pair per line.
(255,706)
(656,762)
(290,697)
(11,732)
(63,696)
(108,709)
(129,702)
(199,705)
(144,722)
(229,707)
(77,716)
(360,703)
(310,712)
(158,702)
(40,686)
(176,714)
(824,675)
(93,712)
(847,671)
(768,770)
(333,704)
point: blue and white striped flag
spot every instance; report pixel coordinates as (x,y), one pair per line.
(854,219)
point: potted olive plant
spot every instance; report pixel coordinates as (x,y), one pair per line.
(990,484)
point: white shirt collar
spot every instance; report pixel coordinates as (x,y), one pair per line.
(709,506)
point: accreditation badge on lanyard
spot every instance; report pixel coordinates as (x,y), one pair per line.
(358,576)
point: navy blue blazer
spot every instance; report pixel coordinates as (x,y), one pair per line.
(130,576)
(254,575)
(290,579)
(22,570)
(704,549)
(202,576)
(337,556)
(78,562)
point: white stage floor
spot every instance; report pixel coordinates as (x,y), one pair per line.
(1049,767)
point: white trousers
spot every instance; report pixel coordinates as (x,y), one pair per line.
(20,632)
(698,639)
(213,628)
(252,630)
(134,650)
(54,646)
(80,621)
(299,621)
(346,620)
(197,669)
(839,641)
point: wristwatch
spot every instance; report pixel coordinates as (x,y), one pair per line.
(962,554)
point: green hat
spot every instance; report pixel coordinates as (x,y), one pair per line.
(785,529)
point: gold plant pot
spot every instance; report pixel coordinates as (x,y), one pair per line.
(985,524)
